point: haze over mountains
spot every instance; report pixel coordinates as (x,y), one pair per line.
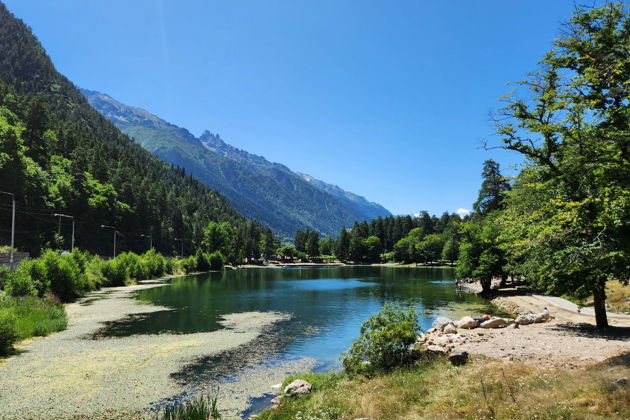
(268,192)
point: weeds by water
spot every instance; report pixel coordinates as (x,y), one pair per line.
(200,408)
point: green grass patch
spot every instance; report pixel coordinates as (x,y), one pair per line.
(29,317)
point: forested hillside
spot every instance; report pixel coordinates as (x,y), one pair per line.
(59,155)
(266,191)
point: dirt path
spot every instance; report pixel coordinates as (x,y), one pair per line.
(569,340)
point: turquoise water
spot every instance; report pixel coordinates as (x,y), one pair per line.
(327,304)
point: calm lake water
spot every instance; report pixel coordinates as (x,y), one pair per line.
(328,305)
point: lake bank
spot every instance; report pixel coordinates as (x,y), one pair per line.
(131,348)
(75,373)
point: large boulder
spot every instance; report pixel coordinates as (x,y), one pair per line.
(440,322)
(494,323)
(298,387)
(466,322)
(449,329)
(459,358)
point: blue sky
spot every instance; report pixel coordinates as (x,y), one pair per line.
(388,99)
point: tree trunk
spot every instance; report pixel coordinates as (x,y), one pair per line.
(599,304)
(503,280)
(486,284)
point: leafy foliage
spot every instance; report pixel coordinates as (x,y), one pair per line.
(384,343)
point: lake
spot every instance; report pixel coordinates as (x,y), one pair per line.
(327,304)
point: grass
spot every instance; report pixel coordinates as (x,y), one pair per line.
(479,390)
(618,297)
(200,408)
(34,316)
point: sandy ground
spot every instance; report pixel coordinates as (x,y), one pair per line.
(72,375)
(569,340)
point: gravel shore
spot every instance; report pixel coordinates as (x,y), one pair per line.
(72,375)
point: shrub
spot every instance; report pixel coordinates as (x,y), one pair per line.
(202,261)
(20,283)
(385,341)
(216,260)
(8,332)
(115,273)
(66,278)
(94,276)
(187,265)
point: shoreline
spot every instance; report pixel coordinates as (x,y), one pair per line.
(123,377)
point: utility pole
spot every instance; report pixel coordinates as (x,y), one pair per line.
(115,232)
(12,229)
(181,255)
(150,240)
(59,230)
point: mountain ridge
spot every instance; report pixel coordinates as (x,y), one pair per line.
(266,191)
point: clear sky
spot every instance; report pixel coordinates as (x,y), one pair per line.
(389,99)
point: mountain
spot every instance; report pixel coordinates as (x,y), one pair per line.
(59,155)
(268,192)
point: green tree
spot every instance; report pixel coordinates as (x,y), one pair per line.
(342,247)
(217,236)
(494,187)
(568,223)
(312,243)
(372,249)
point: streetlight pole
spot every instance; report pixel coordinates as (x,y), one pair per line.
(150,239)
(115,232)
(12,228)
(59,232)
(181,255)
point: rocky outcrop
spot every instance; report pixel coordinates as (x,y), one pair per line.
(466,323)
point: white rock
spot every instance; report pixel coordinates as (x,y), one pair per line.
(440,321)
(298,387)
(449,329)
(494,323)
(276,387)
(277,400)
(466,322)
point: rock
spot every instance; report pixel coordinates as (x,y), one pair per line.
(431,330)
(435,351)
(442,341)
(298,387)
(440,322)
(276,388)
(466,322)
(494,323)
(524,319)
(275,401)
(459,358)
(513,326)
(621,381)
(449,329)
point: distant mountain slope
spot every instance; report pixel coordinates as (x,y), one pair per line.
(266,191)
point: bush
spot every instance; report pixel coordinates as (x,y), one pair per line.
(202,261)
(8,332)
(385,342)
(66,278)
(20,283)
(94,276)
(216,261)
(187,265)
(115,273)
